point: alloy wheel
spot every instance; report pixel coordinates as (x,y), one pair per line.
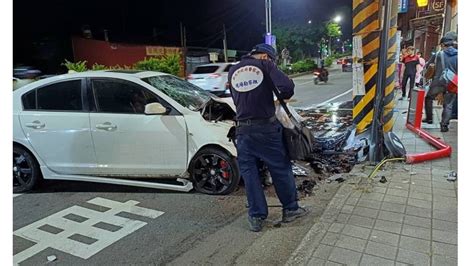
(22,171)
(212,173)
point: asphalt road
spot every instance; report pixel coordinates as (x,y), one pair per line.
(67,219)
(308,94)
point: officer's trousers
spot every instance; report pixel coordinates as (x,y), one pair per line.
(449,99)
(265,142)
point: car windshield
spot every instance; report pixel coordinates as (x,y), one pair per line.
(183,92)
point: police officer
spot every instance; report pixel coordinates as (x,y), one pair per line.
(259,134)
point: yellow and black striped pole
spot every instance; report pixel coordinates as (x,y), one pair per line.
(366,31)
(389,99)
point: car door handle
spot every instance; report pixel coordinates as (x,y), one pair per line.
(106,126)
(35,124)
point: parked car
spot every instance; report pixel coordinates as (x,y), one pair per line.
(120,127)
(347,65)
(26,72)
(211,77)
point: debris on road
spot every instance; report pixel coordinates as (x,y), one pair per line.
(333,131)
(383,179)
(452,176)
(307,187)
(338,178)
(51,258)
(299,170)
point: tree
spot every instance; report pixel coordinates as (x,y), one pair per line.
(300,40)
(332,30)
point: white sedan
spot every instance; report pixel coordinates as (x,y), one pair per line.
(123,127)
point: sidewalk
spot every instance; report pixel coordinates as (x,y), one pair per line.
(409,220)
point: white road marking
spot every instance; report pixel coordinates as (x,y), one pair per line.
(303,83)
(16,195)
(328,101)
(104,238)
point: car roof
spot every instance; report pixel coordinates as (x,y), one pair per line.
(123,74)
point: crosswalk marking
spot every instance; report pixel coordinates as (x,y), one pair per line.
(61,241)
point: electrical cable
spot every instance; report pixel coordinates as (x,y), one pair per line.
(229,29)
(377,167)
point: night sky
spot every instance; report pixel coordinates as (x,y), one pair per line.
(54,21)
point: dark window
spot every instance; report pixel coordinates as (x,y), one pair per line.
(63,96)
(227,68)
(205,69)
(29,100)
(114,96)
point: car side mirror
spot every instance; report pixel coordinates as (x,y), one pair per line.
(155,109)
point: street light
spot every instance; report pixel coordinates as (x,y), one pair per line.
(337,19)
(309,21)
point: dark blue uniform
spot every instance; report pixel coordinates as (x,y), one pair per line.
(259,134)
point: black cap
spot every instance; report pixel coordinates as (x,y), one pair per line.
(264,48)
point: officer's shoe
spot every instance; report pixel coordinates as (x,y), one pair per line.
(256,224)
(290,216)
(427,121)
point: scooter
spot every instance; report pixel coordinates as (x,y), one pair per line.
(320,75)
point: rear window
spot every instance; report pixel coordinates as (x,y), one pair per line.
(29,100)
(61,96)
(205,69)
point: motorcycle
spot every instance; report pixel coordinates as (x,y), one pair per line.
(320,75)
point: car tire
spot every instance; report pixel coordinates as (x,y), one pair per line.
(26,171)
(214,172)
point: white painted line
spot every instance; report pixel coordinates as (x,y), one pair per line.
(16,195)
(328,101)
(104,238)
(304,83)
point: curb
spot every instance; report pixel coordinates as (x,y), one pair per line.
(331,69)
(300,74)
(302,255)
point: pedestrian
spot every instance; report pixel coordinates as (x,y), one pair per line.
(438,91)
(419,69)
(259,134)
(410,62)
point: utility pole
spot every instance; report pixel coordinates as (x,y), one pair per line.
(266,16)
(225,43)
(376,132)
(268,23)
(270,16)
(182,30)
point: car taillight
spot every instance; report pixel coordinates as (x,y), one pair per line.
(190,76)
(214,76)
